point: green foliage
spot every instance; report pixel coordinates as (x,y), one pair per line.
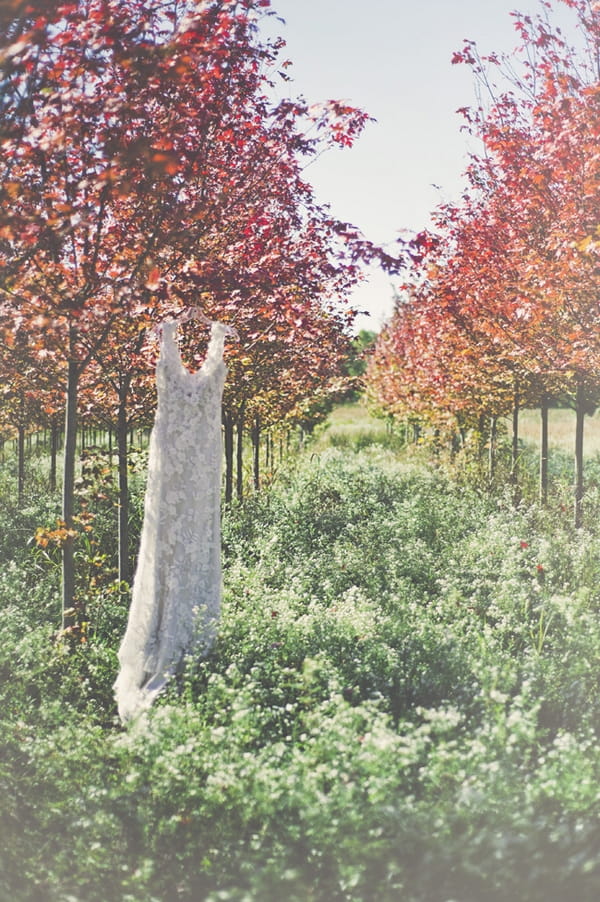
(360,439)
(401,704)
(356,363)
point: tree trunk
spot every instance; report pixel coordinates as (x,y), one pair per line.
(515,461)
(256,450)
(240,456)
(579,424)
(481,424)
(54,430)
(68,555)
(256,439)
(544,451)
(228,438)
(492,448)
(21,464)
(123,484)
(514,464)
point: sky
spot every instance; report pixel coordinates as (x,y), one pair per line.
(392,58)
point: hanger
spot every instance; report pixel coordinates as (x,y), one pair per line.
(195,313)
(190,313)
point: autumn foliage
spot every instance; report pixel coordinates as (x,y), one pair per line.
(502,305)
(146,165)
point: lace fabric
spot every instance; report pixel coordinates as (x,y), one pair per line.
(176,592)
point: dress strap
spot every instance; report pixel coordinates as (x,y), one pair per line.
(216,345)
(169,349)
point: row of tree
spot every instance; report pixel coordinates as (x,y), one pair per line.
(146,166)
(503,305)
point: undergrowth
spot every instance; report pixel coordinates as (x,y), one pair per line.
(402,704)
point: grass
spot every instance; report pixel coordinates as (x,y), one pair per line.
(353,416)
(348,421)
(352,426)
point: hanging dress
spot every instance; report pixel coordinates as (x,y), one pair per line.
(176,592)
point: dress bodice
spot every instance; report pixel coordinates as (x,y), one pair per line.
(171,373)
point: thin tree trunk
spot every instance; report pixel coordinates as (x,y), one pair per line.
(481,423)
(256,449)
(579,428)
(68,549)
(240,456)
(21,464)
(54,430)
(123,484)
(227,419)
(514,468)
(493,448)
(544,451)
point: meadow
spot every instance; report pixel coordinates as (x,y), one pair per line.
(561,430)
(402,704)
(352,421)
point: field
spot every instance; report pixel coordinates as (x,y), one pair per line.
(352,420)
(402,704)
(561,430)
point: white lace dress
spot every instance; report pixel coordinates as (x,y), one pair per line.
(177,585)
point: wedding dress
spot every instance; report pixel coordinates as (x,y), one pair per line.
(176,592)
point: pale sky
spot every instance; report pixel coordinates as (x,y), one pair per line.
(393,59)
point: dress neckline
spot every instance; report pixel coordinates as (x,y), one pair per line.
(172,336)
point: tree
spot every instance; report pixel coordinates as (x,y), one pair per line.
(512,271)
(540,139)
(118,391)
(143,168)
